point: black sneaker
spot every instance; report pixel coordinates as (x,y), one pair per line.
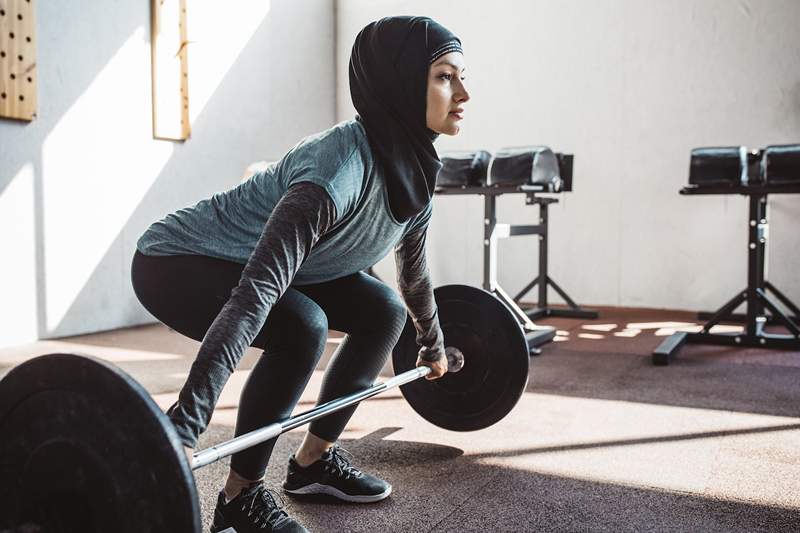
(334,475)
(254,509)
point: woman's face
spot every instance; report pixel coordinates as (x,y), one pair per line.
(446,94)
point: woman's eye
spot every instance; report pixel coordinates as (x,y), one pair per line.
(449,77)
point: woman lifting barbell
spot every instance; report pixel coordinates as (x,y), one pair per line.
(276,261)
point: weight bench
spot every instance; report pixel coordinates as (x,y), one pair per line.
(755,174)
(531,171)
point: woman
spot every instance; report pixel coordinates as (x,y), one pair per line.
(276,261)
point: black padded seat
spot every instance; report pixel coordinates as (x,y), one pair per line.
(716,166)
(781,164)
(526,165)
(464,169)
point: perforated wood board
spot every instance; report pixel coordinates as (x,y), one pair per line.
(17,59)
(169,48)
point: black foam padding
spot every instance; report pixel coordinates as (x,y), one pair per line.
(464,169)
(527,165)
(719,166)
(566,163)
(781,164)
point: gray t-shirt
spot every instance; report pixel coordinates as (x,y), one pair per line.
(229,224)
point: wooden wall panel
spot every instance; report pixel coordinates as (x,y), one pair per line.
(18,59)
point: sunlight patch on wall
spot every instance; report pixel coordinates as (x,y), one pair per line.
(217,36)
(18,282)
(100,159)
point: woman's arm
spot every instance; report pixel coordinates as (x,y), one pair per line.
(414,280)
(301,217)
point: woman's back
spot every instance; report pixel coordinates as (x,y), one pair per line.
(229,224)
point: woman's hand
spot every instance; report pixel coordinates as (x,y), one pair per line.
(438,365)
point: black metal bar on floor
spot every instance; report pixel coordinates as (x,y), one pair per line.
(784,300)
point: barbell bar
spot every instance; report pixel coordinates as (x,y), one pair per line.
(455,362)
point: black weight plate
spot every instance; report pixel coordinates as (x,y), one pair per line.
(85,448)
(495,369)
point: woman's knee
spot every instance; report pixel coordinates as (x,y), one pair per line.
(388,311)
(298,328)
(305,340)
(314,332)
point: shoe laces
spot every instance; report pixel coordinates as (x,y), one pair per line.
(339,463)
(266,507)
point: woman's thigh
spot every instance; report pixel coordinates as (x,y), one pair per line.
(187,293)
(358,304)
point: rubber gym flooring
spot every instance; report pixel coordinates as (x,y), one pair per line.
(601,440)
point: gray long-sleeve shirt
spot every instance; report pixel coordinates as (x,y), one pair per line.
(321,213)
(302,217)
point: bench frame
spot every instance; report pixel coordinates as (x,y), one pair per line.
(492,231)
(756,295)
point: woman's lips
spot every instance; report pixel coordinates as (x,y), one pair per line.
(458,116)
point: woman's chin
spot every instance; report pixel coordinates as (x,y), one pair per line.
(447,129)
(450,129)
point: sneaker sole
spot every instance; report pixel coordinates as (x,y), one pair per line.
(316,488)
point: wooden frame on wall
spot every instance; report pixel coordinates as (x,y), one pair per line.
(170,73)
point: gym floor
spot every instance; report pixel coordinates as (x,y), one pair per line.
(601,440)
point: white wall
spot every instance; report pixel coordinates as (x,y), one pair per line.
(629,87)
(83,181)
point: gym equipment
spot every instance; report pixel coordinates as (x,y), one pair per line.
(85,448)
(565,162)
(486,389)
(781,164)
(759,173)
(466,168)
(733,166)
(535,335)
(527,165)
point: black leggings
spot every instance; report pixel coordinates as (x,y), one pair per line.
(186,293)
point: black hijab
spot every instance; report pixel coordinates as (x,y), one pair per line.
(388,84)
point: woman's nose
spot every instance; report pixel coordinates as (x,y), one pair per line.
(461,94)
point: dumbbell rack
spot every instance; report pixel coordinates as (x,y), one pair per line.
(492,231)
(756,296)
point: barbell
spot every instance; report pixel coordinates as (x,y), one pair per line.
(83,446)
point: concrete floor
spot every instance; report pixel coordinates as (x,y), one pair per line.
(601,440)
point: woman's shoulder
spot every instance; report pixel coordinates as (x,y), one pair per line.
(337,143)
(337,159)
(342,148)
